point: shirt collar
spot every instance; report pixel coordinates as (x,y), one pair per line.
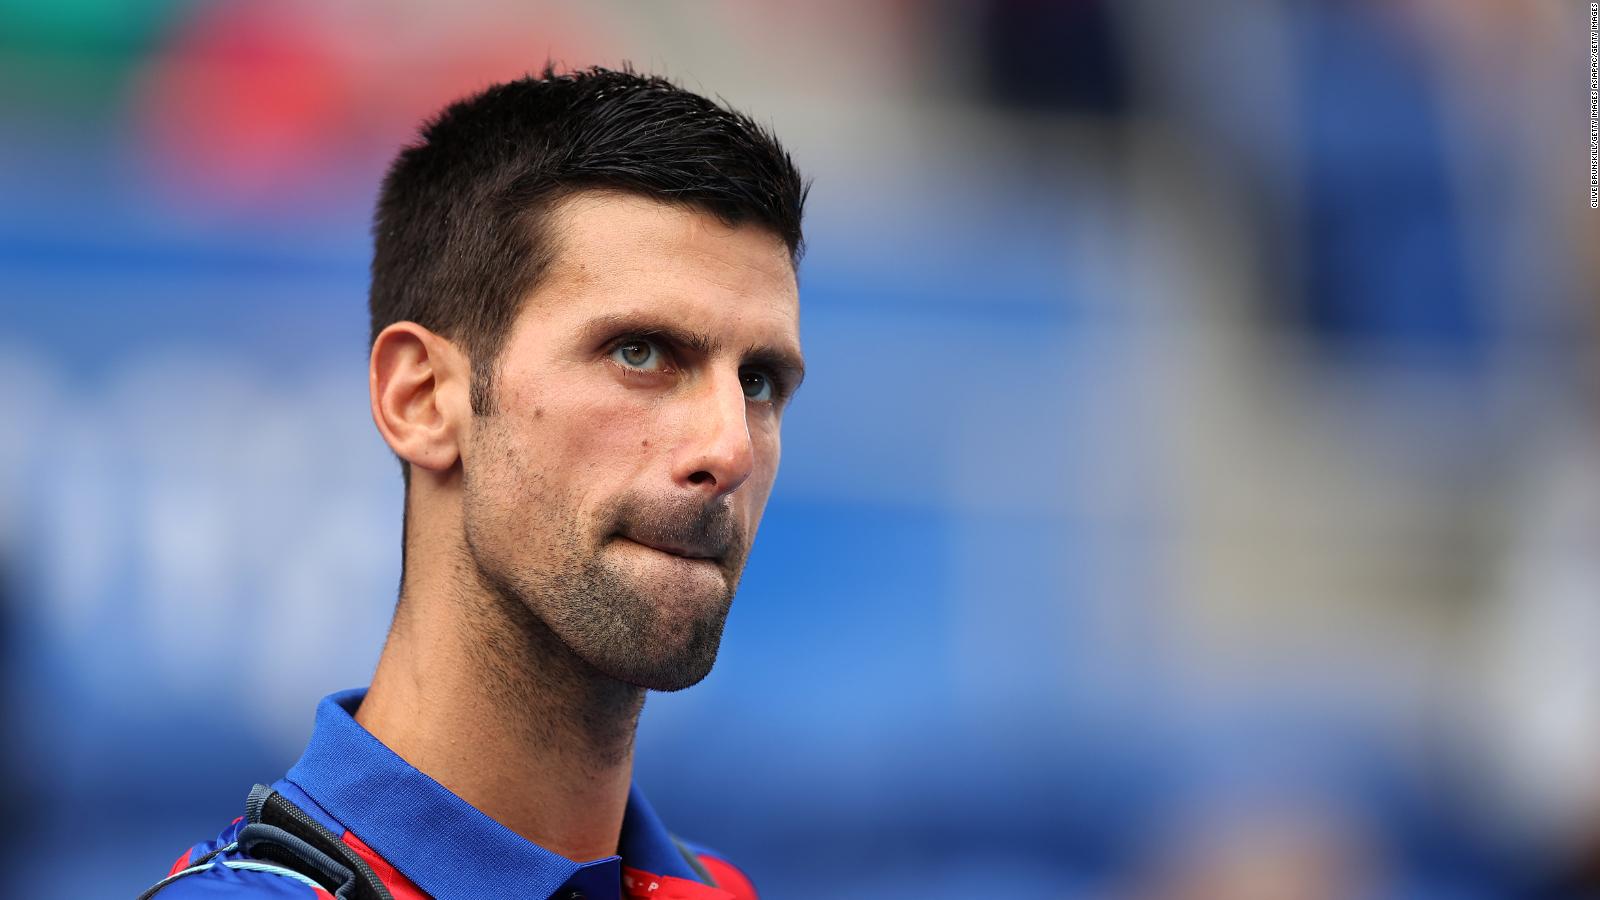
(443,844)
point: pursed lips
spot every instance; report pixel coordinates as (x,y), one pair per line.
(687,552)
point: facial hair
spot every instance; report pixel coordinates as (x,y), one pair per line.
(539,556)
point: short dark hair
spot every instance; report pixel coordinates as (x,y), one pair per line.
(460,233)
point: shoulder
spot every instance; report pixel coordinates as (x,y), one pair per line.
(724,874)
(216,869)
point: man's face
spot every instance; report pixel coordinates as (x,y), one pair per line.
(616,486)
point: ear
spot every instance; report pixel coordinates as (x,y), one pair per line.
(420,387)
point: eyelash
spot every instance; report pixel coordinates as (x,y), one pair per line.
(780,389)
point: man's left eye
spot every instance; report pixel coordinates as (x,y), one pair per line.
(639,354)
(757,386)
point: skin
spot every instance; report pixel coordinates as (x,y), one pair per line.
(548,577)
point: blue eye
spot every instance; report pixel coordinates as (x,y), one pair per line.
(639,354)
(757,387)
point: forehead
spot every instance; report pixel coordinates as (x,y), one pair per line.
(619,254)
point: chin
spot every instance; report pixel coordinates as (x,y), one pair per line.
(657,674)
(636,617)
(665,657)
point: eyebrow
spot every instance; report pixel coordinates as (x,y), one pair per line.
(781,360)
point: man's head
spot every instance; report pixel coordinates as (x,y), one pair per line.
(585,327)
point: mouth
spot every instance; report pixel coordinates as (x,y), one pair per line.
(692,554)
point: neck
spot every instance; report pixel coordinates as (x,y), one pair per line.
(474,691)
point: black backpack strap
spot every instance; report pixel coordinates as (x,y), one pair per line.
(284,835)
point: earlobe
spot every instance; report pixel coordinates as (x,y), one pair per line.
(418,383)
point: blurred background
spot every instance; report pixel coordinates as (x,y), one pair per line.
(1196,492)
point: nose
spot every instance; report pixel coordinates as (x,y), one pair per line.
(718,455)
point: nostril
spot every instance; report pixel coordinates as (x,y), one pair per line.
(701,477)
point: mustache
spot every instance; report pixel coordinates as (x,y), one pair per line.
(688,528)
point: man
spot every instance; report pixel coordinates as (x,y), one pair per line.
(584,333)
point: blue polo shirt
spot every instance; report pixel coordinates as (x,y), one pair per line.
(425,842)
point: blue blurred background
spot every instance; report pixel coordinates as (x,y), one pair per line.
(1196,493)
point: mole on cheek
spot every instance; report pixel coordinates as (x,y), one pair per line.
(538,412)
(645,442)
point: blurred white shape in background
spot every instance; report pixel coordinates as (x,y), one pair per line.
(1540,721)
(163,481)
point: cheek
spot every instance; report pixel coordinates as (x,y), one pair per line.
(606,433)
(594,450)
(766,437)
(759,486)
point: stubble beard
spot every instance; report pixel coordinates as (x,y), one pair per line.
(568,589)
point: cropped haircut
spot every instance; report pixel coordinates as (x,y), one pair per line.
(462,233)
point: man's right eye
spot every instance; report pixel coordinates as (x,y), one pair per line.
(637,353)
